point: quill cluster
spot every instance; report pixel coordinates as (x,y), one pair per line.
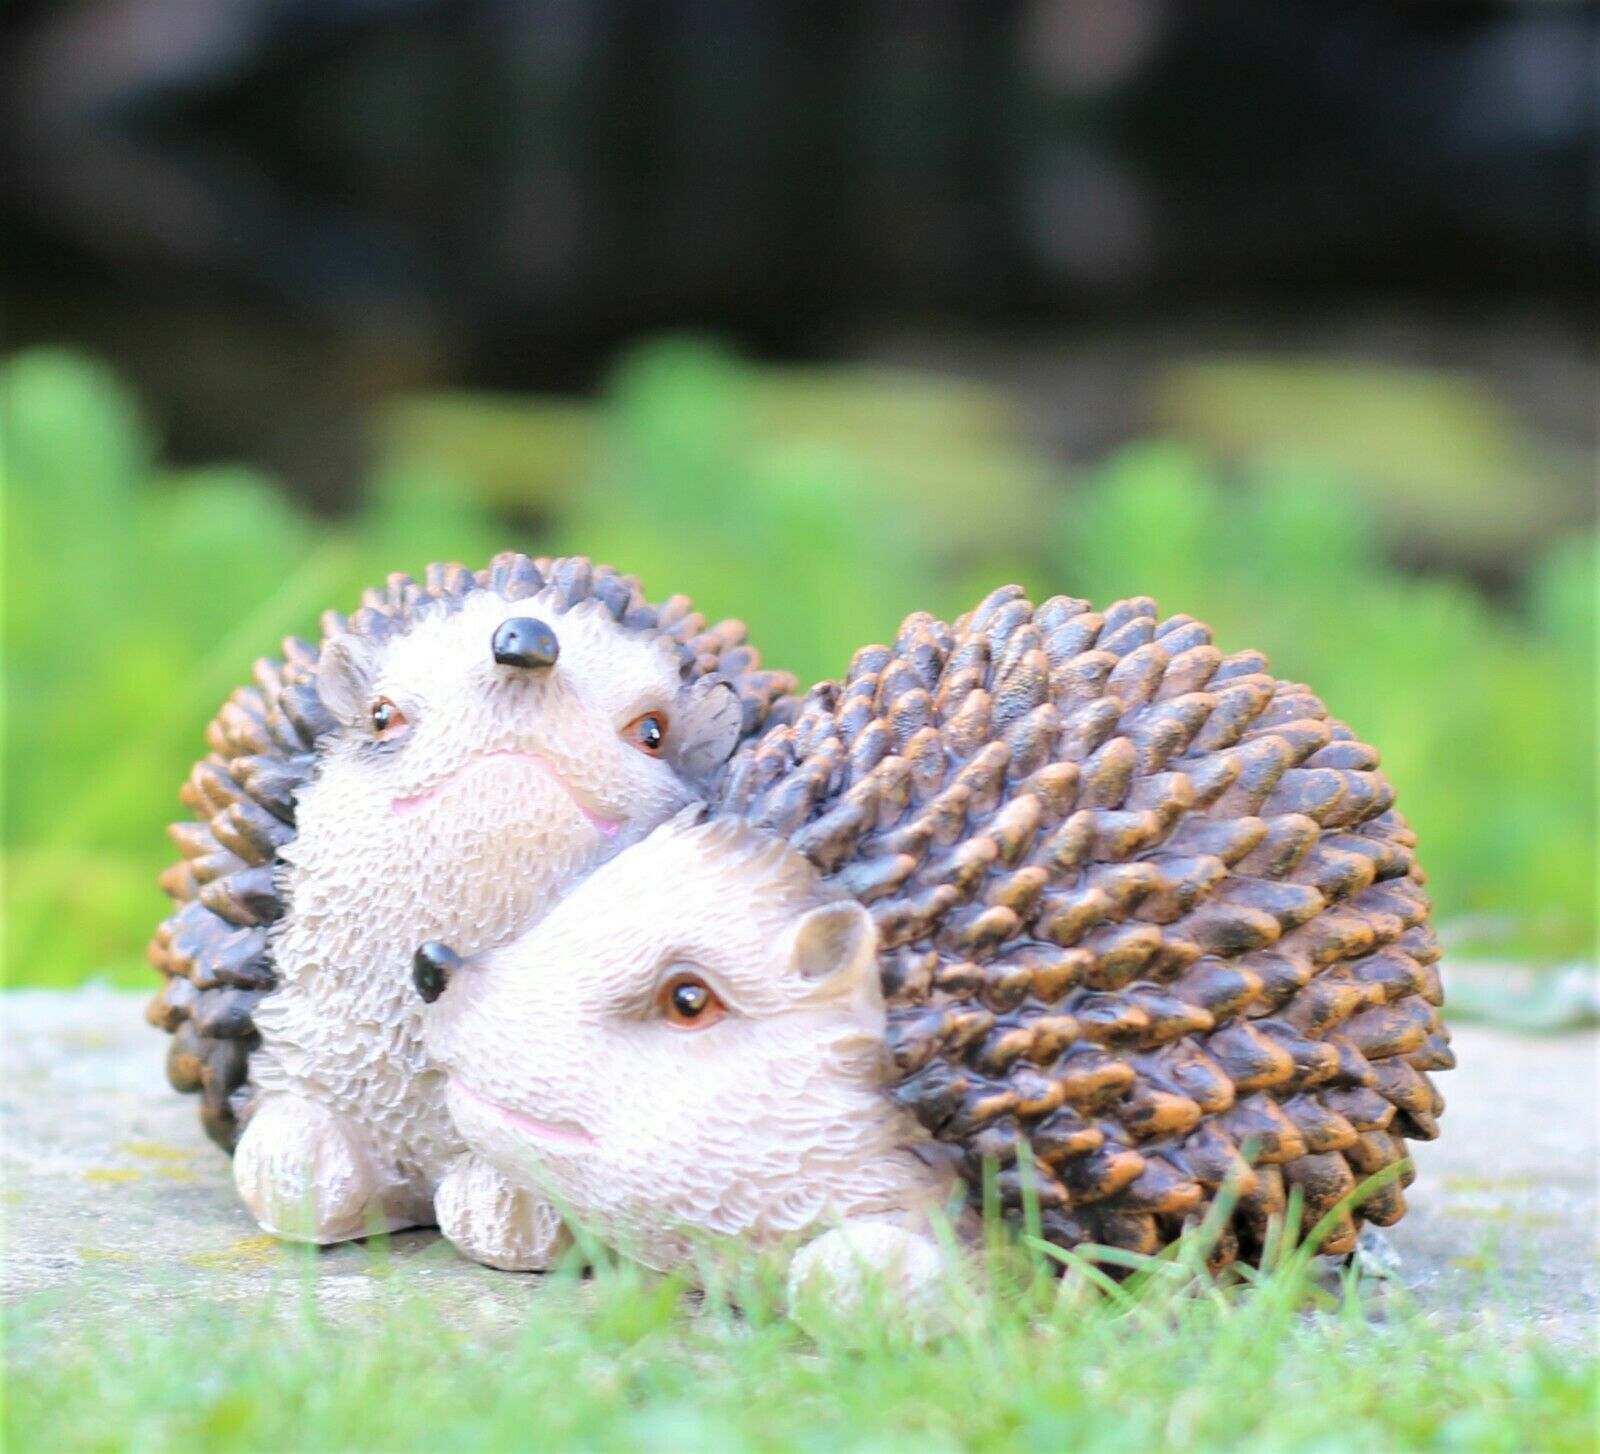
(1143,909)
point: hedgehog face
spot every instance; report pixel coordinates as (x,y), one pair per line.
(691,1039)
(492,754)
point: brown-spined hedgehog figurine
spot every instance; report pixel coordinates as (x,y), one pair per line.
(1054,878)
(447,761)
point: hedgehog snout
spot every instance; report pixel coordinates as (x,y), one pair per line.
(431,968)
(524,641)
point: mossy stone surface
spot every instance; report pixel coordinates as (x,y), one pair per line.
(114,1203)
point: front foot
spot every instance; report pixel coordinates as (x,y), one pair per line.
(862,1267)
(304,1174)
(495,1223)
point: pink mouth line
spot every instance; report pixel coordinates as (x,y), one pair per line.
(607,826)
(539,1130)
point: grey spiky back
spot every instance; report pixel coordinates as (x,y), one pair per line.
(214,948)
(1141,906)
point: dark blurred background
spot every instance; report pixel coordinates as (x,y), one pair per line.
(822,311)
(319,202)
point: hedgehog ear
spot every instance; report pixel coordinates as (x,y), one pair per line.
(835,945)
(345,673)
(705,730)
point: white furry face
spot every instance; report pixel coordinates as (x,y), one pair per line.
(572,1071)
(483,787)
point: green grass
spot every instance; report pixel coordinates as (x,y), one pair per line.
(627,1360)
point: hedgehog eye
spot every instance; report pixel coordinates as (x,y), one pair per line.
(387,719)
(647,732)
(687,1002)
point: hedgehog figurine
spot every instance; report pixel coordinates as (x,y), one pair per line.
(449,760)
(1063,892)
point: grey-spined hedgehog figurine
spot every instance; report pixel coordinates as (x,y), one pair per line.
(1060,879)
(447,762)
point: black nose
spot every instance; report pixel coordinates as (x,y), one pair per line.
(522,641)
(431,968)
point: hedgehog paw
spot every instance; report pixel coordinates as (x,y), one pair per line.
(495,1223)
(862,1268)
(304,1175)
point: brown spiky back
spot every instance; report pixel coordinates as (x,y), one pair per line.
(214,948)
(1142,907)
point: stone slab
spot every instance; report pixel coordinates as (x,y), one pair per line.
(113,1201)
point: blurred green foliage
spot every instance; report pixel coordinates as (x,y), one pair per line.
(1485,717)
(820,506)
(1447,466)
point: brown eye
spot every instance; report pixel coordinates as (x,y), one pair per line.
(647,733)
(387,719)
(687,1002)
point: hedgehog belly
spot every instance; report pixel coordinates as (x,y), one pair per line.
(345,1027)
(355,1046)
